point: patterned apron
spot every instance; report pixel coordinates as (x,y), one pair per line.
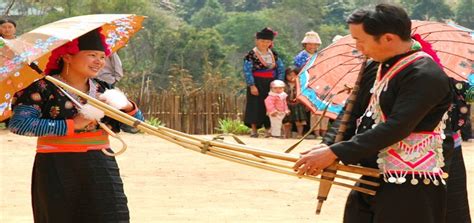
(420,155)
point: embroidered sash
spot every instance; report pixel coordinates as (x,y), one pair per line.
(264,74)
(420,155)
(78,142)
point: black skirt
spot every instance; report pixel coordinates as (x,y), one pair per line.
(255,111)
(78,187)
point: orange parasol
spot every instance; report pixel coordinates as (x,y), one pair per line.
(339,63)
(36,46)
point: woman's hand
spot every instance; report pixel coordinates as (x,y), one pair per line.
(129,107)
(253,90)
(80,122)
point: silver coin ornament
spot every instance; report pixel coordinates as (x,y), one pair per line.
(401,180)
(392,179)
(426,181)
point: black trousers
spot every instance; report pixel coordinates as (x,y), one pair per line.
(78,187)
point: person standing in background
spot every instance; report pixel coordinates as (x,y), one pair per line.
(7,29)
(276,106)
(311,42)
(298,113)
(112,71)
(261,66)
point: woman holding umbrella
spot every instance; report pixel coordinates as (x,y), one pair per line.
(73,181)
(311,42)
(262,65)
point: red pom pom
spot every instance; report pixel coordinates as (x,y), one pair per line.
(427,48)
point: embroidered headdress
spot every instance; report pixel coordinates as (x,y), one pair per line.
(266,33)
(93,40)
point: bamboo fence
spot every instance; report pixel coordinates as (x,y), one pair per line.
(198,113)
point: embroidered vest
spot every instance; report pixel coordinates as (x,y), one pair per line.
(420,155)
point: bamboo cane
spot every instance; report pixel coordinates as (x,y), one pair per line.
(198,144)
(325,187)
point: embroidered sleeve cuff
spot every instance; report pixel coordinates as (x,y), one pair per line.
(134,110)
(69,127)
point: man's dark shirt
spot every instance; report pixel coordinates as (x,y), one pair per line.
(415,101)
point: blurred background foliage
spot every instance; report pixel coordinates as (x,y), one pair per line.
(192,45)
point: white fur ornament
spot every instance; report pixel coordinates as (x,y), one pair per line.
(91,112)
(114,98)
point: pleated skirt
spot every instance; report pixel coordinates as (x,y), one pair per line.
(78,187)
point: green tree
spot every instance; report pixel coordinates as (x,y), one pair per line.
(464,13)
(328,32)
(431,10)
(209,15)
(257,5)
(337,12)
(187,8)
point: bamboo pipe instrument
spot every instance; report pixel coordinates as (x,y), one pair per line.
(325,187)
(188,141)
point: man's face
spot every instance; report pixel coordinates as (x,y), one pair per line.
(367,44)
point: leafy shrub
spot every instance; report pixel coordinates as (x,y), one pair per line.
(154,122)
(233,126)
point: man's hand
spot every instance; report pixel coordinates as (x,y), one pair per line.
(313,161)
(253,90)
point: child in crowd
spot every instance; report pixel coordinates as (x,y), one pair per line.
(321,129)
(276,106)
(298,112)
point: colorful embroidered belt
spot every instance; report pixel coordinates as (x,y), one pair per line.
(419,156)
(263,74)
(78,142)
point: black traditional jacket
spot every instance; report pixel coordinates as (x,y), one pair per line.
(415,101)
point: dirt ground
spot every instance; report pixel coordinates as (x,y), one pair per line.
(166,183)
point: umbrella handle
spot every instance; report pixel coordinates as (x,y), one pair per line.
(113,134)
(325,187)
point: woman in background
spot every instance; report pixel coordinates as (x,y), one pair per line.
(262,65)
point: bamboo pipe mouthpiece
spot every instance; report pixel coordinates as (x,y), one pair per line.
(320,205)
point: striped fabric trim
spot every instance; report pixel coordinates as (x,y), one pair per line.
(26,121)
